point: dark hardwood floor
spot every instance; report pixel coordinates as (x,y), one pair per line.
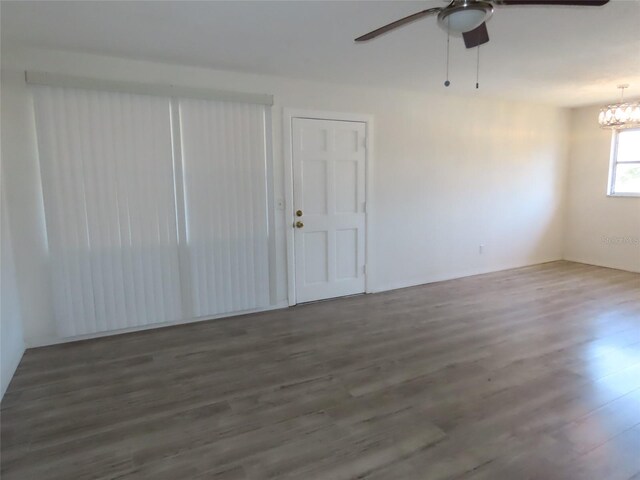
(524,374)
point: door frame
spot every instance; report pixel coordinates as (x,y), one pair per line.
(288,115)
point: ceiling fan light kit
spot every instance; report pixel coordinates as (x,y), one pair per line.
(620,115)
(465,16)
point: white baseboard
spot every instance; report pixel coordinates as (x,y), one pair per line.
(41,342)
(453,276)
(597,263)
(46,341)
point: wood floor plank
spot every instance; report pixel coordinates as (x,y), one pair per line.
(523,374)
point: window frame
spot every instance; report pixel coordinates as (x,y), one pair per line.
(613,164)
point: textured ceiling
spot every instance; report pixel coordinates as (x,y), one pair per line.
(558,55)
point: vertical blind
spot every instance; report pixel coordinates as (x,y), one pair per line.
(225,191)
(115,212)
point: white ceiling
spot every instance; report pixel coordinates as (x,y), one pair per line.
(561,55)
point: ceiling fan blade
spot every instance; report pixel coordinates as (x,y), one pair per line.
(572,3)
(477,36)
(398,23)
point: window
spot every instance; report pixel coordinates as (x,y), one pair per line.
(624,174)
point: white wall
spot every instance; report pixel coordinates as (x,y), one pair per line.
(11,338)
(23,192)
(450,173)
(600,230)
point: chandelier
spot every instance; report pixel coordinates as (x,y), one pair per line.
(620,115)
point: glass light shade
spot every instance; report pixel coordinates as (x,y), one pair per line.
(465,20)
(620,115)
(464,16)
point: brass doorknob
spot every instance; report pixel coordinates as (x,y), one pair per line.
(299,224)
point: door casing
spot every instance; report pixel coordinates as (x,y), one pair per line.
(287,120)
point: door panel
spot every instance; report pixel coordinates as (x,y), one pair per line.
(329,190)
(314,176)
(315,257)
(346,187)
(347,253)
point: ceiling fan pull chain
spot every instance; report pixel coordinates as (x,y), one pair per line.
(478,69)
(447,82)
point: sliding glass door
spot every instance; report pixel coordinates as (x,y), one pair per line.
(150,221)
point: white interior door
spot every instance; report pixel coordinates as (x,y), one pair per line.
(329,159)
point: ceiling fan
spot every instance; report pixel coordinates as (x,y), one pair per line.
(468,17)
